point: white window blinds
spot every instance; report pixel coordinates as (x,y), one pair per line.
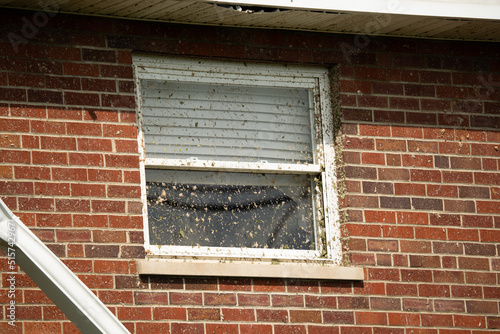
(228,122)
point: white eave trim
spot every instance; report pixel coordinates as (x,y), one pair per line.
(460,9)
(269,269)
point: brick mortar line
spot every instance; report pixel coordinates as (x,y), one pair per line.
(442,183)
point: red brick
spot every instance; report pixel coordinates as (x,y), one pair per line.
(320,301)
(53,219)
(55,82)
(87,144)
(124,191)
(474,263)
(412,218)
(75,250)
(417,304)
(118,101)
(120,131)
(285,300)
(380,216)
(445,220)
(70,174)
(482,307)
(187,328)
(49,158)
(463,234)
(442,190)
(13,94)
(117,71)
(134,313)
(15,156)
(13,141)
(30,141)
(430,233)
(437,320)
(115,267)
(238,314)
(64,113)
(253,300)
(488,207)
(84,99)
(404,319)
(102,175)
(43,327)
(380,303)
(323,329)
(108,206)
(425,175)
(24,79)
(63,53)
(397,232)
(355,86)
(156,327)
(337,287)
(410,246)
(384,274)
(373,158)
(220,299)
(36,204)
(106,236)
(457,177)
(305,316)
(470,321)
(170,313)
(81,69)
(181,298)
(6,172)
(203,314)
(58,143)
(16,188)
(84,129)
(493,322)
(73,235)
(397,289)
(86,189)
(371,318)
(81,266)
(489,235)
(459,206)
(480,278)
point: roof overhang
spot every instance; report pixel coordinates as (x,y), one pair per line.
(477,20)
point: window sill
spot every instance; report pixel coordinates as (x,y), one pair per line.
(317,270)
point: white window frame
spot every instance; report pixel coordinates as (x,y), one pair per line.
(220,72)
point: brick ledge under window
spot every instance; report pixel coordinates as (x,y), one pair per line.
(318,270)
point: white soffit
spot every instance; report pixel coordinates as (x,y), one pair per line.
(477,20)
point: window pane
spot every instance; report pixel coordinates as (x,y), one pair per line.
(226,122)
(191,208)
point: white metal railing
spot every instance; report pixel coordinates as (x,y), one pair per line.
(59,283)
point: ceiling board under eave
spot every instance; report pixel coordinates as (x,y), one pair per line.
(202,12)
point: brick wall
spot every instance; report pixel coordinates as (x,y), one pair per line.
(420,142)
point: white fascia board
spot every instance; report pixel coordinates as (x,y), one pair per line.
(460,9)
(59,283)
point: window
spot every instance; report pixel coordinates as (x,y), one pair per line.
(237,160)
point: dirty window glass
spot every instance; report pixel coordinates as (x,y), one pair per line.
(216,209)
